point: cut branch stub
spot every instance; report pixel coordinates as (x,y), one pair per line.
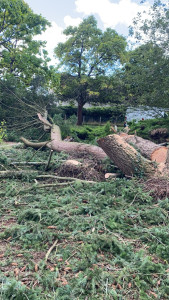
(125,156)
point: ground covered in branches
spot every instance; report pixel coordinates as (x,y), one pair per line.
(75,240)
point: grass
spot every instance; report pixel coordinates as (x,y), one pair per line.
(111,238)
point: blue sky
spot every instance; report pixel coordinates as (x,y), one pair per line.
(117,14)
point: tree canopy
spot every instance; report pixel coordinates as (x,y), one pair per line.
(153,27)
(20,53)
(146,76)
(24,72)
(90,62)
(146,73)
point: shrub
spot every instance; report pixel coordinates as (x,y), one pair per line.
(90,133)
(145,128)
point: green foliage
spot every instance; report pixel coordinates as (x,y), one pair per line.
(112,239)
(19,51)
(96,113)
(13,289)
(65,125)
(153,28)
(87,55)
(146,72)
(3,131)
(20,105)
(143,128)
(147,67)
(112,113)
(90,133)
(23,62)
(86,133)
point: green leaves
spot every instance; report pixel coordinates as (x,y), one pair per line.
(87,54)
(145,76)
(18,26)
(112,240)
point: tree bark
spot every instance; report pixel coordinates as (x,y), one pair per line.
(126,157)
(58,145)
(80,114)
(68,147)
(147,148)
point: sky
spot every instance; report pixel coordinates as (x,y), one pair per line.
(116,14)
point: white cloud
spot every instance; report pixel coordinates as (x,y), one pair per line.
(68,20)
(53,35)
(110,13)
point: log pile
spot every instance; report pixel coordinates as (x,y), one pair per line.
(58,145)
(135,155)
(131,154)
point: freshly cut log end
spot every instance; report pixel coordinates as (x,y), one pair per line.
(147,148)
(160,155)
(125,156)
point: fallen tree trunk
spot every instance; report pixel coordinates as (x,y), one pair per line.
(68,147)
(131,154)
(58,145)
(126,157)
(136,156)
(147,148)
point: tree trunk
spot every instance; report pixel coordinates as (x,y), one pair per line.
(147,148)
(79,113)
(131,154)
(58,145)
(126,157)
(68,147)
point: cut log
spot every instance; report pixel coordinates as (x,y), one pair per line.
(125,156)
(147,148)
(131,154)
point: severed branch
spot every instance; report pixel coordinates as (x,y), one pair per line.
(58,145)
(65,178)
(23,163)
(50,250)
(16,174)
(34,145)
(49,159)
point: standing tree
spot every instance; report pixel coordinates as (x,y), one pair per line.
(23,61)
(155,27)
(146,73)
(146,76)
(20,54)
(87,54)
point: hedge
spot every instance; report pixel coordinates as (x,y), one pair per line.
(98,114)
